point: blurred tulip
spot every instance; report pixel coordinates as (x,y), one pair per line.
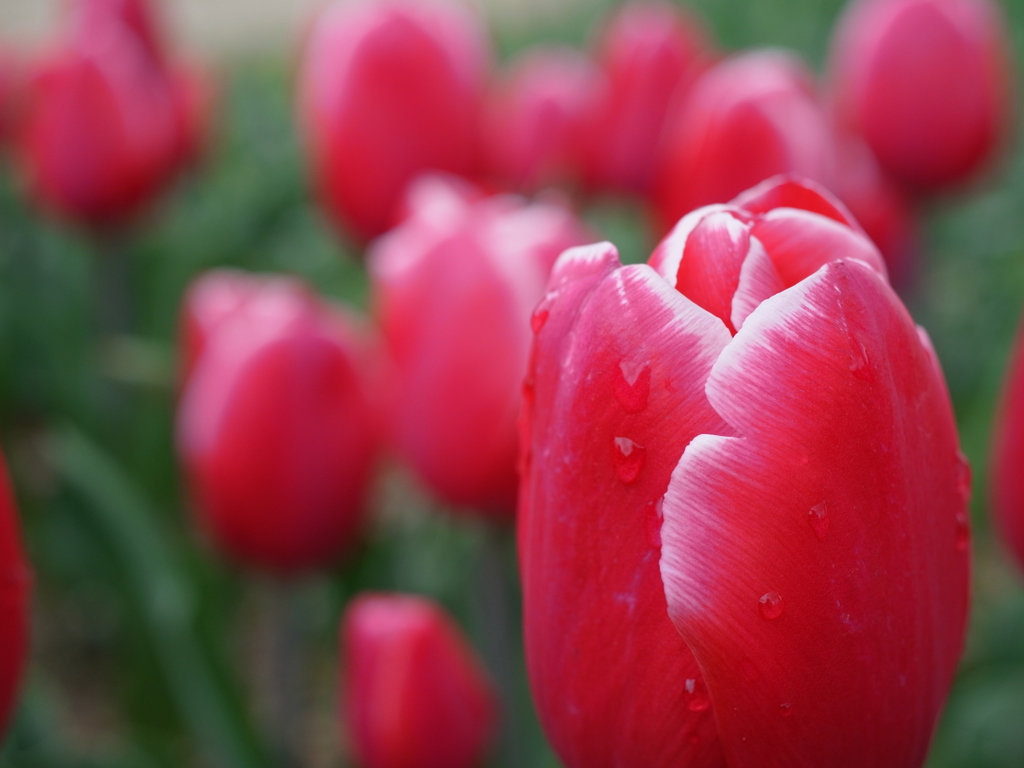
(925,82)
(15,582)
(748,118)
(11,76)
(650,53)
(880,207)
(454,287)
(387,90)
(415,693)
(276,429)
(1008,456)
(813,541)
(535,120)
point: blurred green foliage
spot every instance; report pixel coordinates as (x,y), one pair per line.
(150,653)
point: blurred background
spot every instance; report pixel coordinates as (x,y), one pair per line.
(148,650)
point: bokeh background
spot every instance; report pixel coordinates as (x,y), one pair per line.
(148,651)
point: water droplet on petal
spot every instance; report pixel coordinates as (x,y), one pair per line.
(962,538)
(963,477)
(699,701)
(771,605)
(785,710)
(654,526)
(633,386)
(629,458)
(818,517)
(860,364)
(538,318)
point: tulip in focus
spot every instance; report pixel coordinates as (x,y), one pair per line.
(15,582)
(650,53)
(748,118)
(415,693)
(454,287)
(925,82)
(743,524)
(1008,457)
(535,122)
(276,426)
(388,90)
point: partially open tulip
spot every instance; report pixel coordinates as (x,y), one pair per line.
(925,82)
(415,694)
(536,117)
(1008,457)
(15,582)
(454,286)
(742,519)
(276,426)
(106,123)
(388,90)
(650,52)
(746,119)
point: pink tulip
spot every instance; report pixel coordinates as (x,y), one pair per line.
(388,90)
(536,119)
(748,118)
(798,594)
(650,53)
(15,583)
(925,82)
(454,286)
(415,693)
(277,425)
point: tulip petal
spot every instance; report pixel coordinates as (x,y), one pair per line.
(787,192)
(758,281)
(710,270)
(614,394)
(800,243)
(817,566)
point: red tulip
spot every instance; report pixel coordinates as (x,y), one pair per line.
(535,121)
(1008,457)
(15,582)
(388,90)
(925,82)
(813,537)
(103,129)
(276,426)
(416,695)
(748,118)
(454,287)
(650,53)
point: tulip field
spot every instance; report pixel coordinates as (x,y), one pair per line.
(453,393)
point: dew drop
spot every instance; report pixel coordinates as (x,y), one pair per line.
(818,518)
(786,709)
(860,365)
(629,458)
(962,538)
(698,697)
(771,605)
(538,318)
(963,477)
(654,526)
(633,386)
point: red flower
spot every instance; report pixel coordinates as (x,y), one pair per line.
(416,696)
(650,53)
(454,287)
(15,583)
(1008,457)
(749,118)
(925,82)
(276,427)
(812,542)
(535,121)
(389,90)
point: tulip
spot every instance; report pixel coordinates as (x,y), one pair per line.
(15,582)
(276,426)
(1008,457)
(454,286)
(416,695)
(742,517)
(536,118)
(10,85)
(748,118)
(388,90)
(925,82)
(650,52)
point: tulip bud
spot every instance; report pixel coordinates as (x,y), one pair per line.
(1008,457)
(748,118)
(454,286)
(276,427)
(535,121)
(650,53)
(925,82)
(415,694)
(15,583)
(388,90)
(810,601)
